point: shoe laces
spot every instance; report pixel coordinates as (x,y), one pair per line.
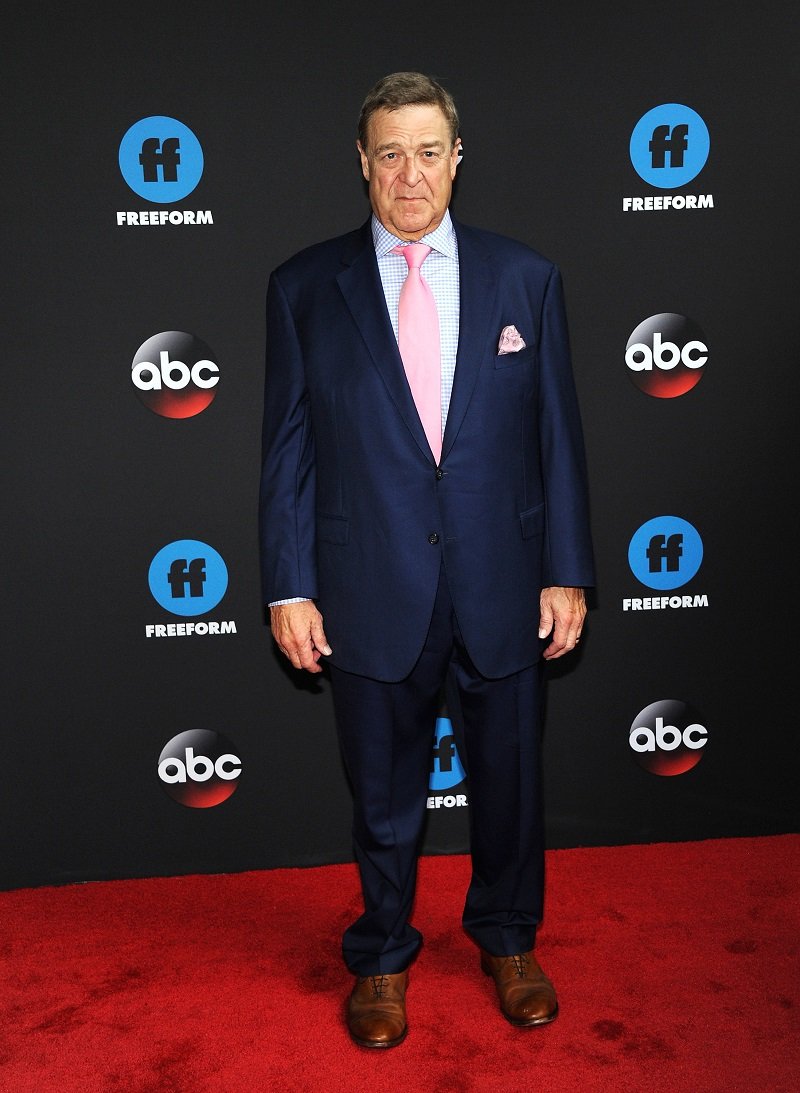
(520,962)
(379,983)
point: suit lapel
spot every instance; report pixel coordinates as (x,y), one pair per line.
(478,287)
(360,284)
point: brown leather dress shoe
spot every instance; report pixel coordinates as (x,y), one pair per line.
(527,996)
(376,1010)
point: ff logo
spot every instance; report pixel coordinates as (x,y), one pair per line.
(174,374)
(667,738)
(666,355)
(199,769)
(446,769)
(665,552)
(161,159)
(188,577)
(669,145)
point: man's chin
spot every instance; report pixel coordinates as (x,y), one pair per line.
(413,223)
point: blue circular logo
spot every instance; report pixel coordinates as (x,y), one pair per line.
(669,145)
(161,159)
(188,577)
(446,771)
(665,553)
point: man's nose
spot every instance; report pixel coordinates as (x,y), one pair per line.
(410,172)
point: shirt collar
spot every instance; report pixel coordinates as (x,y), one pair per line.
(441,239)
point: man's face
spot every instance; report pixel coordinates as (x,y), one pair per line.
(410,166)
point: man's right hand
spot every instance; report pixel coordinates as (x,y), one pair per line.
(297,628)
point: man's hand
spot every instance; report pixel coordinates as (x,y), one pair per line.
(297,628)
(561,612)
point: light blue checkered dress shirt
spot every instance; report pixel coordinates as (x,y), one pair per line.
(440,270)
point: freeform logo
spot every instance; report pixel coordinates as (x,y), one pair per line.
(174,374)
(188,578)
(446,768)
(199,768)
(669,147)
(665,553)
(162,161)
(668,738)
(666,355)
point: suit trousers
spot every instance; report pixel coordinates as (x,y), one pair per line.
(386,732)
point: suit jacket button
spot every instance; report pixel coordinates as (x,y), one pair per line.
(433,538)
(439,474)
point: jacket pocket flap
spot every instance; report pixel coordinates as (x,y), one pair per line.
(333,529)
(532,521)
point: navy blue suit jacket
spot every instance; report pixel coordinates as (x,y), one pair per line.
(355,512)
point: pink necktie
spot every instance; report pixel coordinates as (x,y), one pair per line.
(418,336)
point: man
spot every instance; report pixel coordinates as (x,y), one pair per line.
(424,494)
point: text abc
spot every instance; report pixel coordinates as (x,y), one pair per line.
(639,357)
(667,737)
(199,768)
(174,374)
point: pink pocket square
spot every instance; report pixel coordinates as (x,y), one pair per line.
(511,341)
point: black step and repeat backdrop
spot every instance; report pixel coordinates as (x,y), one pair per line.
(160,161)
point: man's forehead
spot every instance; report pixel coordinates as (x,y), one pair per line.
(417,124)
(398,142)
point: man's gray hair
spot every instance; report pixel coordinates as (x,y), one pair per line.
(406,89)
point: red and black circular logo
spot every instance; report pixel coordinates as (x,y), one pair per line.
(175,374)
(666,355)
(199,768)
(668,737)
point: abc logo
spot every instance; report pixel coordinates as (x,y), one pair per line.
(199,768)
(666,355)
(668,738)
(174,374)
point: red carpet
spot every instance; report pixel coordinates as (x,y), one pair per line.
(677,969)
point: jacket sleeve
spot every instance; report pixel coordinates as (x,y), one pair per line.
(287,496)
(568,559)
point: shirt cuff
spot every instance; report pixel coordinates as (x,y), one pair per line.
(292,599)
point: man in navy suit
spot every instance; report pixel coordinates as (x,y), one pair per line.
(459,557)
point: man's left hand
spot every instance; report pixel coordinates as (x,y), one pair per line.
(561,614)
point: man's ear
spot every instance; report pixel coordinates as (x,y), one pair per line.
(456,155)
(364,160)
